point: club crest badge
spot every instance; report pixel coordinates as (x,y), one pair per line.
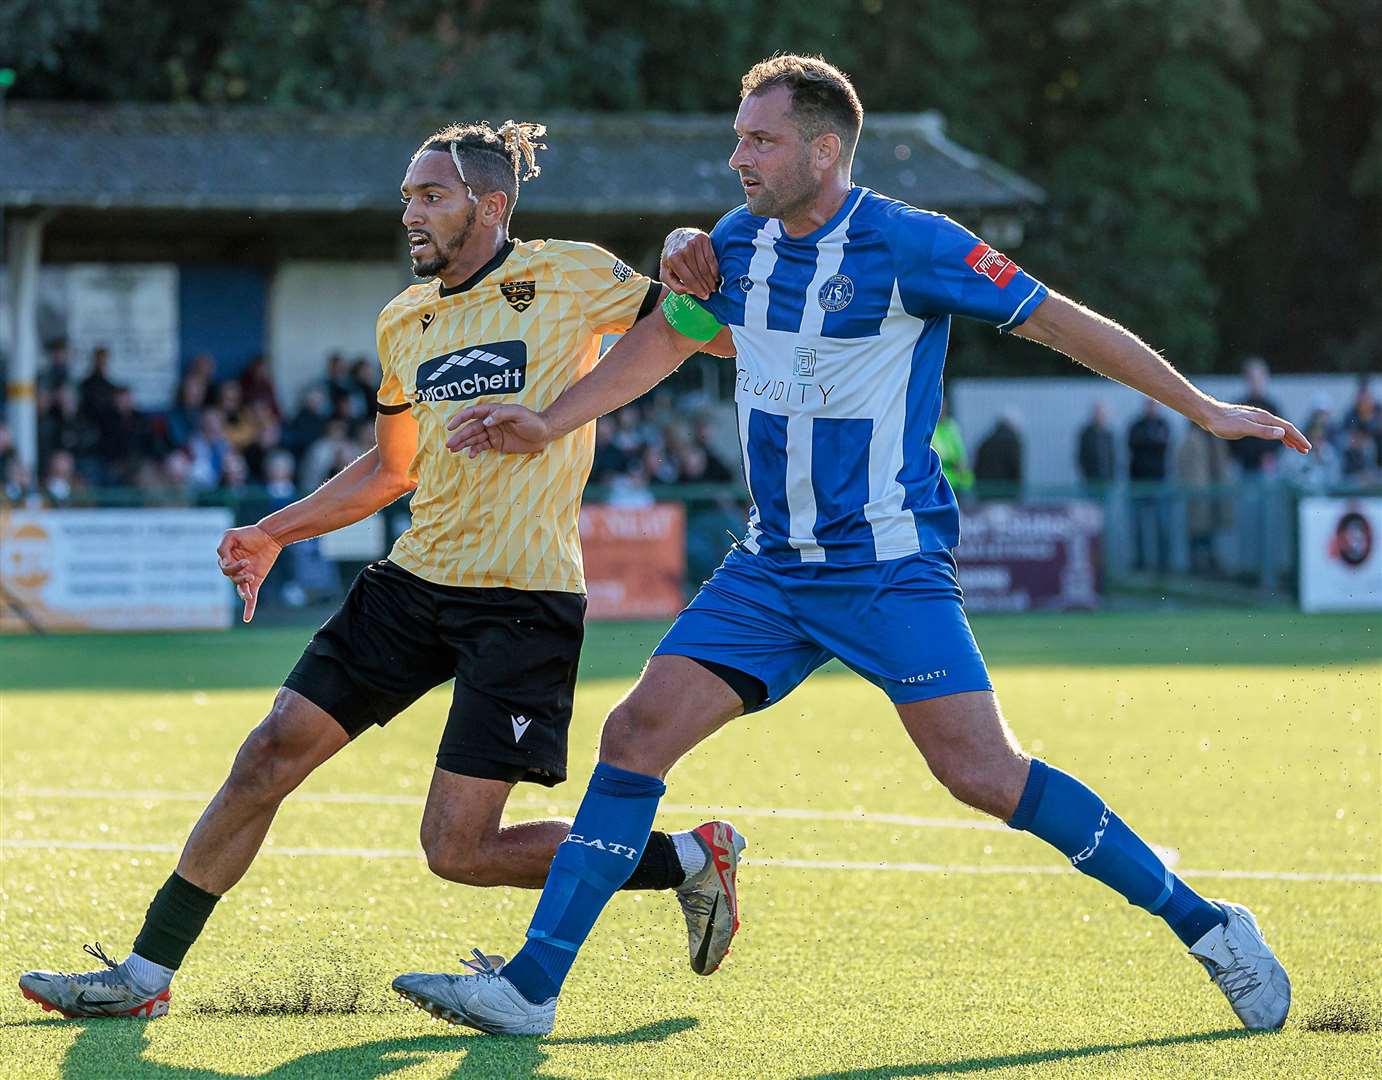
(519,294)
(836,293)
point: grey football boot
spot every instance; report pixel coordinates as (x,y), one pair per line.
(112,991)
(1243,966)
(710,898)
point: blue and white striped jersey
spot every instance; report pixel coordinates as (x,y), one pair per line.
(841,339)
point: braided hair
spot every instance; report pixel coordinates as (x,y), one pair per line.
(489,160)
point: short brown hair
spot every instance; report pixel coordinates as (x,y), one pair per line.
(823,98)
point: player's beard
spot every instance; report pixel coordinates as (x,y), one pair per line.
(794,190)
(446,252)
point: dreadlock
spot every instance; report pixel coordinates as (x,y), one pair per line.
(489,160)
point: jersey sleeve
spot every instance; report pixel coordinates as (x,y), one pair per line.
(944,269)
(718,304)
(609,293)
(391,397)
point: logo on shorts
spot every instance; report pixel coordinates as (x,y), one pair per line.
(500,367)
(836,293)
(925,676)
(520,726)
(745,282)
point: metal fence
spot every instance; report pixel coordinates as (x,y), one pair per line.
(1229,544)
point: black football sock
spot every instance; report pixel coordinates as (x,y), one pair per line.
(174,920)
(659,868)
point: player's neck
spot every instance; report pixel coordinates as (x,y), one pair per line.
(820,210)
(471,257)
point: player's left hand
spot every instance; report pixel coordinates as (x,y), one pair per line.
(1249,422)
(688,263)
(510,429)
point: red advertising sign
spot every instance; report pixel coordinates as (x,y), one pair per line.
(635,560)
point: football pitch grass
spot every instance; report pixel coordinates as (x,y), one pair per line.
(888,931)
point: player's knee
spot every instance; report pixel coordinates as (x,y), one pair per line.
(991,790)
(270,761)
(453,860)
(629,740)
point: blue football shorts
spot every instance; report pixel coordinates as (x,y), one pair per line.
(900,624)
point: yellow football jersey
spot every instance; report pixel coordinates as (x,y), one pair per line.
(523,328)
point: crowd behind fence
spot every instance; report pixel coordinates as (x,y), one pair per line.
(1191,506)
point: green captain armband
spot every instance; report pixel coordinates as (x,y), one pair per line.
(686,316)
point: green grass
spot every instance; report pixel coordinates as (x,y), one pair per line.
(1249,742)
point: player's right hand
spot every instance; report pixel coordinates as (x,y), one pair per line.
(688,263)
(510,429)
(246,555)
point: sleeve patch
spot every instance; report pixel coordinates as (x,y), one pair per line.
(621,270)
(992,264)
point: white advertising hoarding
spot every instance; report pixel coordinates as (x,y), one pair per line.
(113,570)
(1341,554)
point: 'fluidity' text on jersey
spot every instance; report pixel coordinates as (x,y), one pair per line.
(841,337)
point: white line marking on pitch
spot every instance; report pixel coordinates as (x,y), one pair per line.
(787,864)
(1167,854)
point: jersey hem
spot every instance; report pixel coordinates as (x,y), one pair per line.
(491,581)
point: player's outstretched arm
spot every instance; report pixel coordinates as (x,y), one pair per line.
(1103,346)
(368,484)
(639,360)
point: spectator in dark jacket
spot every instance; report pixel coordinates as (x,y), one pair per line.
(1255,455)
(999,457)
(1095,456)
(96,393)
(1149,438)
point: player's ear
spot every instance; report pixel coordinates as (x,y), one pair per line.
(492,208)
(827,151)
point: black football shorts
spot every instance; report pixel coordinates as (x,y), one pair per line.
(512,652)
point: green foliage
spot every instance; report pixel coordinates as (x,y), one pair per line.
(1206,159)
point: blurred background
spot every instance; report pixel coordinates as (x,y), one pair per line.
(200,224)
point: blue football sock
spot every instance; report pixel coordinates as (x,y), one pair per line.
(1067,815)
(603,848)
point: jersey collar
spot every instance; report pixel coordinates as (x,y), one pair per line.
(505,250)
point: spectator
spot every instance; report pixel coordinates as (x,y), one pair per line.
(268,437)
(257,386)
(59,427)
(202,368)
(999,457)
(19,484)
(1096,456)
(279,469)
(241,425)
(96,393)
(1365,415)
(364,379)
(207,450)
(1202,467)
(1359,463)
(328,455)
(1319,469)
(340,388)
(125,442)
(60,480)
(186,415)
(696,465)
(309,422)
(609,460)
(1148,440)
(58,372)
(235,475)
(1255,456)
(949,444)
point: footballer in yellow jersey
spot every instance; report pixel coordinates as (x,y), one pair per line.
(485,588)
(521,329)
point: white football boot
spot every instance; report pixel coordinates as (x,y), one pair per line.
(112,991)
(710,899)
(482,999)
(1242,965)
